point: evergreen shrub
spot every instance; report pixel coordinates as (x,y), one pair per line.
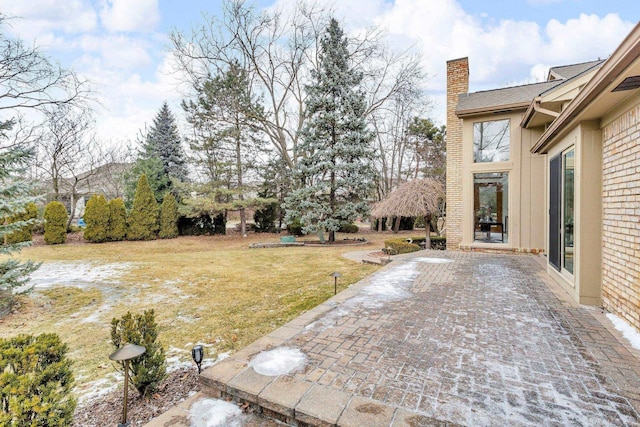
(25,234)
(203,225)
(35,382)
(401,245)
(348,228)
(117,220)
(55,223)
(294,228)
(169,218)
(148,370)
(265,218)
(96,218)
(142,223)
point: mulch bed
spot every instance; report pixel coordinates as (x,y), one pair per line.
(107,410)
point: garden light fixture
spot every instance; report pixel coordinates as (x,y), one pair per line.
(197,353)
(124,354)
(335,276)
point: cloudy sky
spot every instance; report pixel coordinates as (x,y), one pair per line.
(122,45)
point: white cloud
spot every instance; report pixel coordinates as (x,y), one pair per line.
(130,16)
(36,19)
(116,51)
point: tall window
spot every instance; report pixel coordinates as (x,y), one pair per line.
(491,142)
(561,210)
(491,207)
(568,167)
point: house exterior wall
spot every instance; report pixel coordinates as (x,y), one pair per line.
(526,187)
(457,83)
(621,215)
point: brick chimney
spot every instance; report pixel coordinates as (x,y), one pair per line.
(457,83)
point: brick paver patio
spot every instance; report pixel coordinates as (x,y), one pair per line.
(446,338)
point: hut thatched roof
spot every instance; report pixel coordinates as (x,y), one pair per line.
(413,198)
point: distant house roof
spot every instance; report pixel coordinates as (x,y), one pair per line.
(520,96)
(570,71)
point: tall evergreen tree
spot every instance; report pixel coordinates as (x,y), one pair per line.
(142,223)
(336,175)
(161,158)
(163,141)
(227,113)
(15,198)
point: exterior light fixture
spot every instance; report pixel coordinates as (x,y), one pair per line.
(197,353)
(124,354)
(335,276)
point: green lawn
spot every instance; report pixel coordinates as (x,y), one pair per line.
(214,290)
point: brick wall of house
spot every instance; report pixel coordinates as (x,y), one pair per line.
(621,216)
(457,83)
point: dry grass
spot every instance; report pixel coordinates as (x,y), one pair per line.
(204,289)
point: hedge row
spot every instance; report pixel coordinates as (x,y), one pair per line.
(405,245)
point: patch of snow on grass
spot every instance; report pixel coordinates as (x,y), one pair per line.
(178,358)
(215,413)
(99,388)
(279,361)
(79,274)
(628,331)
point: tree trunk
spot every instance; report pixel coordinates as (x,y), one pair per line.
(396,224)
(243,214)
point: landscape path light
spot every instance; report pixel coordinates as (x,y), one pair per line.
(335,276)
(197,353)
(124,354)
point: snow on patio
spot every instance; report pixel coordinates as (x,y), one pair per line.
(628,331)
(279,361)
(216,413)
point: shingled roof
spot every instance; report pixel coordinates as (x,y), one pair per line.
(520,96)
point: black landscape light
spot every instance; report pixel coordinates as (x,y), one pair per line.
(197,353)
(335,276)
(124,354)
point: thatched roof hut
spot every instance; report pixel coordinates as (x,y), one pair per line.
(421,197)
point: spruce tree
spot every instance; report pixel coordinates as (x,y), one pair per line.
(168,218)
(163,142)
(117,220)
(142,223)
(96,216)
(336,175)
(14,201)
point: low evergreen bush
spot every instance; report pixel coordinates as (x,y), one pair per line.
(265,218)
(55,223)
(401,245)
(96,218)
(148,370)
(203,225)
(295,227)
(348,228)
(169,218)
(24,234)
(117,220)
(35,382)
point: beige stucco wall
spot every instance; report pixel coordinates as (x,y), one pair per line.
(584,285)
(621,214)
(526,187)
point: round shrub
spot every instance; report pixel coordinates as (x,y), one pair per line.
(36,382)
(55,223)
(96,217)
(117,220)
(142,223)
(24,234)
(348,228)
(169,218)
(401,246)
(295,228)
